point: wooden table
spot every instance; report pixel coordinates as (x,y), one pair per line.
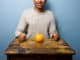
(31,50)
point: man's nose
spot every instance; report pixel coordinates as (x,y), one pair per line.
(40,0)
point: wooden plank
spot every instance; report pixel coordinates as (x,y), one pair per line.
(49,46)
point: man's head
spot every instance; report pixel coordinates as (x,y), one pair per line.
(39,3)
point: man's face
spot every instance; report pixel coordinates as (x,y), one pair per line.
(39,3)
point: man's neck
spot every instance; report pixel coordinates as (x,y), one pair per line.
(39,10)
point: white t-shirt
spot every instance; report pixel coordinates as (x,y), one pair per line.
(34,22)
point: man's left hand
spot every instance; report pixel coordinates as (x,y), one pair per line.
(55,36)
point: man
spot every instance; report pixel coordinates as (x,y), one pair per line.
(37,20)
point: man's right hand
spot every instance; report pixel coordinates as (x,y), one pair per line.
(22,37)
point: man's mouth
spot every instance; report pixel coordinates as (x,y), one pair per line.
(39,4)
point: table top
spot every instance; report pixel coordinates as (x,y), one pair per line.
(49,46)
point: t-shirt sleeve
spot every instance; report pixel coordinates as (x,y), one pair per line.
(21,25)
(52,26)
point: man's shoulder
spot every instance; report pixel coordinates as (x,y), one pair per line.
(49,12)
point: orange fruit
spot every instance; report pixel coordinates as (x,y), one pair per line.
(39,38)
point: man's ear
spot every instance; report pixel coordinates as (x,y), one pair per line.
(45,1)
(33,0)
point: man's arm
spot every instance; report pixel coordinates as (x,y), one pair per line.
(52,29)
(20,28)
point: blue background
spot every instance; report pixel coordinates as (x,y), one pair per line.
(67,13)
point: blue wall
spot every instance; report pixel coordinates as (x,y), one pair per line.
(67,13)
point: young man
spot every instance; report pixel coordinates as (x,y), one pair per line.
(37,20)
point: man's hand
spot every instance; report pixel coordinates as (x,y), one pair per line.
(22,37)
(55,36)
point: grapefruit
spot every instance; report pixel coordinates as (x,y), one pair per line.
(39,37)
